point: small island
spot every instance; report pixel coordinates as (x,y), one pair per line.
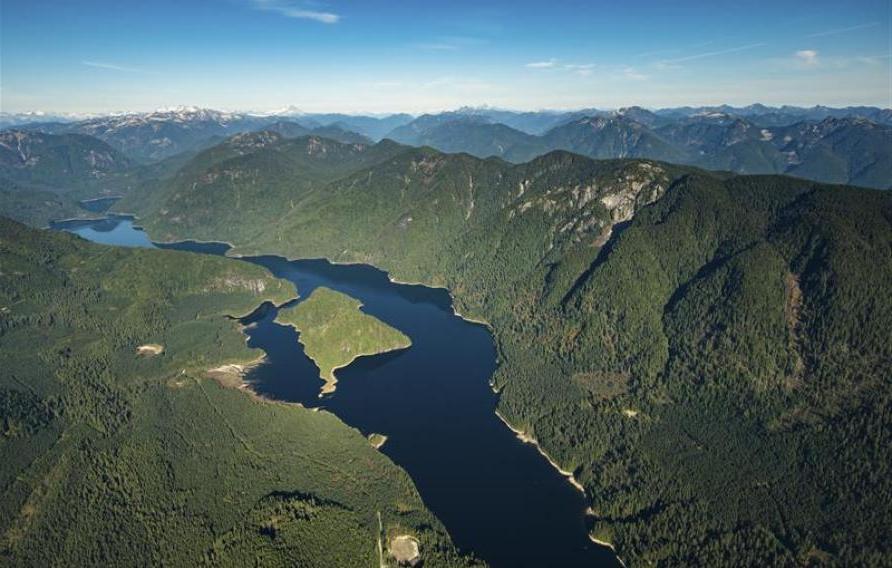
(377,440)
(335,332)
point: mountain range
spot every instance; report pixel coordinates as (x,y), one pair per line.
(149,137)
(706,352)
(837,145)
(848,149)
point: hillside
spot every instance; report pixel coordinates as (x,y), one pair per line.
(853,151)
(115,445)
(57,162)
(246,182)
(35,207)
(476,138)
(43,176)
(290,129)
(612,137)
(838,148)
(691,346)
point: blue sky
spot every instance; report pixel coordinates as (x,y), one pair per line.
(417,56)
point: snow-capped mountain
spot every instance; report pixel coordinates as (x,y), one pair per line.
(153,136)
(14,119)
(165,132)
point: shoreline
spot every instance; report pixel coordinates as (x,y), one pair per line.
(334,380)
(527,439)
(242,256)
(197,241)
(455,311)
(608,546)
(85,219)
(521,435)
(331,384)
(379,441)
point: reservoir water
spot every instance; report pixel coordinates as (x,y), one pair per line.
(497,496)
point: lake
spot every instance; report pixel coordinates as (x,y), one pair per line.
(497,496)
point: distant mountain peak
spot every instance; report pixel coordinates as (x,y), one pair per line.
(479,109)
(289,110)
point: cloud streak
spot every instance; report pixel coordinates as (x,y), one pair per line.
(110,66)
(671,51)
(292,10)
(714,53)
(549,64)
(837,31)
(634,74)
(581,69)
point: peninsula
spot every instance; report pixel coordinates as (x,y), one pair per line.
(335,332)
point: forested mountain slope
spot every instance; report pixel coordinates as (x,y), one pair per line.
(710,355)
(848,149)
(248,181)
(290,129)
(34,206)
(43,176)
(111,453)
(57,162)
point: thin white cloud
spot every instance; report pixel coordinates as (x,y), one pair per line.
(671,51)
(110,66)
(581,69)
(548,64)
(291,9)
(873,59)
(714,53)
(837,31)
(807,56)
(634,74)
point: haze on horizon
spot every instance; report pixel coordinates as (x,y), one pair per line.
(100,56)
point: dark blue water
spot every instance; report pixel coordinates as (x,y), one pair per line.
(99,204)
(498,497)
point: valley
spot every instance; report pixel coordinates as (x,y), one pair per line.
(461,284)
(687,346)
(183,469)
(636,305)
(432,400)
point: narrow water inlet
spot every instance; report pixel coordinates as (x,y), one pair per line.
(498,497)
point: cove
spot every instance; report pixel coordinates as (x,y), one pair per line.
(498,497)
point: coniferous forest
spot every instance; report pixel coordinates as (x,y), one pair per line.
(427,284)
